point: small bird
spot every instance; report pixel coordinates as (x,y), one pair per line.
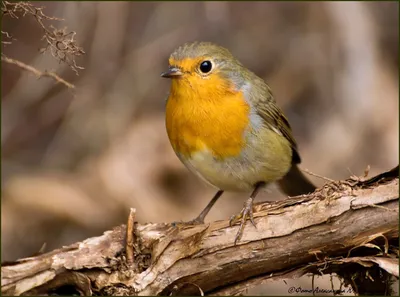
(225,126)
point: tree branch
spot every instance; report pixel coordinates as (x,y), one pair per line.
(351,223)
(39,74)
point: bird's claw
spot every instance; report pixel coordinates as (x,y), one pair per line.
(245,213)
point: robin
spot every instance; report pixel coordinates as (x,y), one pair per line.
(225,126)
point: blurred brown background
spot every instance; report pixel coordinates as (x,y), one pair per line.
(74,162)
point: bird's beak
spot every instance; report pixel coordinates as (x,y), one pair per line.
(172,72)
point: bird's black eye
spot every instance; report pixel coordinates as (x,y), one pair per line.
(205,66)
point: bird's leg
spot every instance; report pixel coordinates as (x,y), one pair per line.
(200,218)
(246,212)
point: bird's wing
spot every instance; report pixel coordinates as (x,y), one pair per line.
(275,119)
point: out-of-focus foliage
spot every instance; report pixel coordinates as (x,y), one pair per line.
(74,162)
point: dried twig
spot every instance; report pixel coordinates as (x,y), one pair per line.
(61,43)
(317,175)
(8,36)
(130,233)
(39,74)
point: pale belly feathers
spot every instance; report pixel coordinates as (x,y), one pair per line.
(266,157)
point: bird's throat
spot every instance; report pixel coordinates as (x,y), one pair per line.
(212,119)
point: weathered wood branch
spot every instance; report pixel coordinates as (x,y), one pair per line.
(352,222)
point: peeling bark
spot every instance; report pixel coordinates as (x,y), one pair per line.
(351,223)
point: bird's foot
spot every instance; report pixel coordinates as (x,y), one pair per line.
(246,213)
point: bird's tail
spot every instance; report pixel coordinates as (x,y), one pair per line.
(294,183)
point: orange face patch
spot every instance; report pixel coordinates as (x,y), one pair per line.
(205,114)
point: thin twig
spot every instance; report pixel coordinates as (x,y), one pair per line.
(43,248)
(366,171)
(317,175)
(8,36)
(61,44)
(130,233)
(39,74)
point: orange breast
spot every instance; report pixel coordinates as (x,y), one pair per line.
(206,115)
